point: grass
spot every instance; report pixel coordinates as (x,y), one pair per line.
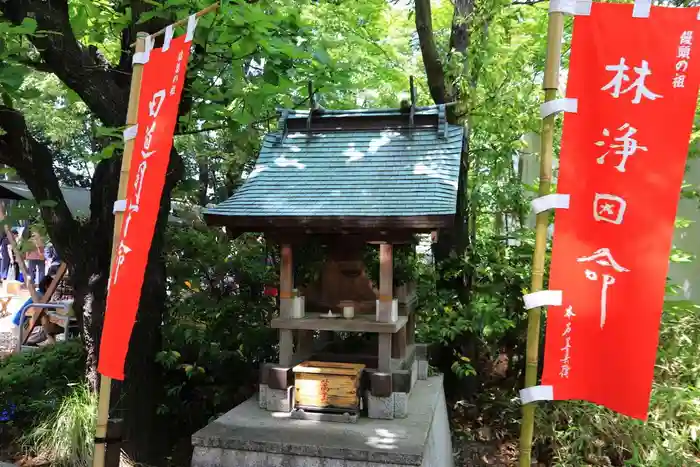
(65,438)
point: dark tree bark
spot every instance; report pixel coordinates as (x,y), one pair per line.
(203,191)
(87,247)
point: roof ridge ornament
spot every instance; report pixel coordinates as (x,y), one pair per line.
(442,121)
(282,126)
(312,105)
(413,108)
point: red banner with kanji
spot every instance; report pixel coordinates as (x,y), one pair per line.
(622,162)
(159,99)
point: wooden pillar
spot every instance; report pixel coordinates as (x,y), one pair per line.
(286,281)
(386,282)
(286,286)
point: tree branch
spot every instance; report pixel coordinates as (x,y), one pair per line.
(81,68)
(431,59)
(528,2)
(38,66)
(33,162)
(459,35)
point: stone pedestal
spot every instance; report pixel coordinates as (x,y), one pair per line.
(248,436)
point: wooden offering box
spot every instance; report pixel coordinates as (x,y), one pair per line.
(327,386)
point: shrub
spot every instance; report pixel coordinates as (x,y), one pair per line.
(32,384)
(65,438)
(217,329)
(490,322)
(580,433)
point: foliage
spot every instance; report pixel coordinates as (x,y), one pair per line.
(34,383)
(250,58)
(582,433)
(65,438)
(217,329)
(64,81)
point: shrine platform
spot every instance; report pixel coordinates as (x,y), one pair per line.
(250,436)
(360,323)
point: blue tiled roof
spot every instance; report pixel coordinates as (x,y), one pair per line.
(379,173)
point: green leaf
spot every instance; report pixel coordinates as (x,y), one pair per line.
(322,56)
(72,97)
(6,99)
(106,131)
(270,76)
(28,26)
(31,93)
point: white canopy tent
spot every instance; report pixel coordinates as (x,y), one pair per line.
(77,199)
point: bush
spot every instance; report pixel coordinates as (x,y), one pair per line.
(217,330)
(580,433)
(473,333)
(33,384)
(66,437)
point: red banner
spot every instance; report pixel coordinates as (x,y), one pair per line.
(159,99)
(622,162)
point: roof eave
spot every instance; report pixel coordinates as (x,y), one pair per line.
(333,224)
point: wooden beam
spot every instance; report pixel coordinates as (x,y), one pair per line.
(296,237)
(333,224)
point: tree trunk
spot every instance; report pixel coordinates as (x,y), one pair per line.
(203,192)
(451,245)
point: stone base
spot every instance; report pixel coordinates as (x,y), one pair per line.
(325,417)
(248,436)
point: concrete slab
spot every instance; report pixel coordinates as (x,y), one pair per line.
(249,436)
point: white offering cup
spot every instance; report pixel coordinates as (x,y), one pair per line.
(348,312)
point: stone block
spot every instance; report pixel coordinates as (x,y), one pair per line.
(325,417)
(381,384)
(264,373)
(381,408)
(422,369)
(279,400)
(422,351)
(262,396)
(280,377)
(401,380)
(414,373)
(249,437)
(401,404)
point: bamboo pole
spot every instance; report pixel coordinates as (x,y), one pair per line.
(555,31)
(131,119)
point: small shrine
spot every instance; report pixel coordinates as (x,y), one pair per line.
(347,179)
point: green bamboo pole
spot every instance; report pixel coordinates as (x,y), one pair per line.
(555,31)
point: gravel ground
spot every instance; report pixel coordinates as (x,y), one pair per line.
(7,336)
(7,329)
